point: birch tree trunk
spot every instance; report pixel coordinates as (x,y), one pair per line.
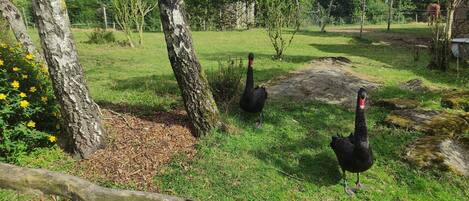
(70,187)
(192,82)
(82,123)
(13,16)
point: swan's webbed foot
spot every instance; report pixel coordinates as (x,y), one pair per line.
(359,185)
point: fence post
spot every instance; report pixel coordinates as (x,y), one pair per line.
(105,17)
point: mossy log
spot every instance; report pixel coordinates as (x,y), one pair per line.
(74,188)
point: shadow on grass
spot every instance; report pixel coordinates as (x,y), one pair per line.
(307,157)
(159,84)
(223,56)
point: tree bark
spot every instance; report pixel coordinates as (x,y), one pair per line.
(70,187)
(13,16)
(82,123)
(192,82)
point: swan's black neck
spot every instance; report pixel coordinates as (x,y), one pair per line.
(361,132)
(249,79)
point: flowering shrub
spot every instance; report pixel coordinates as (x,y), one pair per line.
(28,112)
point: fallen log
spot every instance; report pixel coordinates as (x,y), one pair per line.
(71,187)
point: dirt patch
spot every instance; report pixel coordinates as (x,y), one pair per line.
(329,79)
(137,147)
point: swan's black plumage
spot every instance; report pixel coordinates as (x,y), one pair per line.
(253,99)
(353,152)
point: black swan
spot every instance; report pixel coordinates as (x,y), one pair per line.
(253,99)
(354,152)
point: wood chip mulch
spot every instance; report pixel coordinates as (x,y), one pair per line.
(137,147)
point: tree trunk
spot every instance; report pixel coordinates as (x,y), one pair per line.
(449,23)
(13,16)
(363,17)
(193,84)
(82,123)
(70,187)
(391,2)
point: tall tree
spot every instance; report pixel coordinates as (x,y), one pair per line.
(81,120)
(193,84)
(14,18)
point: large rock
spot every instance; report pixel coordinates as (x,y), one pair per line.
(456,100)
(429,121)
(398,103)
(440,152)
(329,80)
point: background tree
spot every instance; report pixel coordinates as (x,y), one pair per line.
(15,19)
(198,99)
(81,121)
(125,17)
(362,17)
(390,3)
(140,9)
(324,14)
(281,15)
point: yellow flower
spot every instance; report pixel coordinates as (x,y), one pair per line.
(29,57)
(16,69)
(24,103)
(15,84)
(22,95)
(44,99)
(32,89)
(24,76)
(1,62)
(44,69)
(52,138)
(3,97)
(31,124)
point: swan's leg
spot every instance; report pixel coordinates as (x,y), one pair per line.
(347,190)
(358,184)
(259,122)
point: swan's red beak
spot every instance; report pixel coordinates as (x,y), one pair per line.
(251,62)
(362,103)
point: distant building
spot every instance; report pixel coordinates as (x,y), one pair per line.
(461,21)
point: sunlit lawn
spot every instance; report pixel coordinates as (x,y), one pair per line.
(290,158)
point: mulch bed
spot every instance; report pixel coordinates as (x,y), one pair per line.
(137,147)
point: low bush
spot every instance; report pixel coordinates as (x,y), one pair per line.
(29,115)
(226,81)
(101,36)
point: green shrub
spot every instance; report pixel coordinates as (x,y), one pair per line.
(101,36)
(28,111)
(226,81)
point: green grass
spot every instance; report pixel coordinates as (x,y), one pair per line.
(290,158)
